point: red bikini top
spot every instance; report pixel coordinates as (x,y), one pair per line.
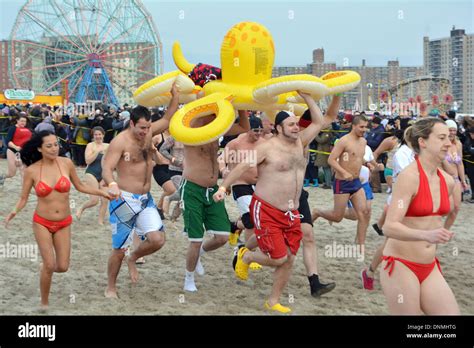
(422,203)
(63,185)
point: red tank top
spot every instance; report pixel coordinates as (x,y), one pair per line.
(21,136)
(422,203)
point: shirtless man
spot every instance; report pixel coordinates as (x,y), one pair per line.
(200,175)
(236,151)
(131,153)
(267,128)
(281,167)
(310,255)
(346,159)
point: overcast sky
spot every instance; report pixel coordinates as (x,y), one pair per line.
(375,30)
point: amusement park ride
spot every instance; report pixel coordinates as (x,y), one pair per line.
(99,50)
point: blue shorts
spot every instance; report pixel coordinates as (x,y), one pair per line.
(133,211)
(369,195)
(346,186)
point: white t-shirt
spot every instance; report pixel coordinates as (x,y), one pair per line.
(364,171)
(368,155)
(401,159)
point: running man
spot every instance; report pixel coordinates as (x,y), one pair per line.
(281,165)
(243,149)
(131,153)
(310,255)
(346,159)
(200,212)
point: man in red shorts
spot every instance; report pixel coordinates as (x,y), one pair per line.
(274,206)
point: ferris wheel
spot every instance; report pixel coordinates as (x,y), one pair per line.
(99,50)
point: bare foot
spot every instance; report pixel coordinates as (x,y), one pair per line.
(79,214)
(101,223)
(314,214)
(44,308)
(110,293)
(132,269)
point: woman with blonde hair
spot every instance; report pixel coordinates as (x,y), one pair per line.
(411,275)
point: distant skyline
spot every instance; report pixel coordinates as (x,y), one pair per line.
(376,31)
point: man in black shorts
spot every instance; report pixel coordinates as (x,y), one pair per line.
(238,150)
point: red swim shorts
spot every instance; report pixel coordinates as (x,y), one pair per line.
(276,230)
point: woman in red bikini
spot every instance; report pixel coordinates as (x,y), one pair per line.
(17,136)
(51,177)
(411,275)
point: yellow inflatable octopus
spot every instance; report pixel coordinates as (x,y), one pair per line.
(244,83)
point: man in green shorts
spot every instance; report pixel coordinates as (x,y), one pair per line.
(200,212)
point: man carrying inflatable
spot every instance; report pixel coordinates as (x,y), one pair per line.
(200,175)
(133,208)
(274,207)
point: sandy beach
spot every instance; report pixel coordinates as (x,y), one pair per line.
(159,290)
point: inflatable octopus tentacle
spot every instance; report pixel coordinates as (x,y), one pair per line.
(179,59)
(165,98)
(268,91)
(218,104)
(341,81)
(149,93)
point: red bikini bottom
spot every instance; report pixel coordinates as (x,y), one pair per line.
(421,270)
(52,226)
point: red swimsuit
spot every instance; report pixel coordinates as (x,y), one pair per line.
(422,205)
(42,189)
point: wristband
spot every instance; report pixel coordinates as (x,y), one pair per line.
(112,183)
(15,210)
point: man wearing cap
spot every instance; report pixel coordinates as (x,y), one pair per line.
(200,212)
(236,151)
(281,165)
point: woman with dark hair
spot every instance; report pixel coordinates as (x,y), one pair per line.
(411,276)
(94,153)
(51,177)
(17,136)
